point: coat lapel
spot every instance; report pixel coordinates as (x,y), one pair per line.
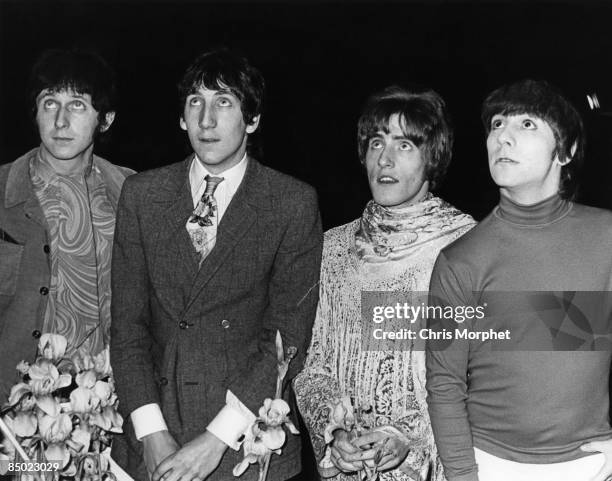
(239,217)
(173,245)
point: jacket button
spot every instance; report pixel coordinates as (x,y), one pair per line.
(44,291)
(163,381)
(46,249)
(225,323)
(36,334)
(183,325)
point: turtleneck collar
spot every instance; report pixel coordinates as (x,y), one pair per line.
(544,212)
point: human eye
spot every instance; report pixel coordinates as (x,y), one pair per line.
(496,123)
(49,104)
(194,101)
(375,143)
(405,145)
(77,105)
(528,124)
(224,102)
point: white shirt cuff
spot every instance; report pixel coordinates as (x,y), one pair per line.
(232,422)
(147,419)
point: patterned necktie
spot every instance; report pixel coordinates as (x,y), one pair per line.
(202,223)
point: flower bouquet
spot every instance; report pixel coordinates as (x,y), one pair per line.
(266,435)
(64,411)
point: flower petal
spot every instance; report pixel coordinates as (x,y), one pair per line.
(64,380)
(102,362)
(83,400)
(17,392)
(49,405)
(273,438)
(291,427)
(240,468)
(58,452)
(104,391)
(82,438)
(24,424)
(54,429)
(52,346)
(86,379)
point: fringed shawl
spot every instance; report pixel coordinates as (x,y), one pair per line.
(384,250)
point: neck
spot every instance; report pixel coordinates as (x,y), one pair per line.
(68,166)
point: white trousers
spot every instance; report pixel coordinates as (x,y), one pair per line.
(492,468)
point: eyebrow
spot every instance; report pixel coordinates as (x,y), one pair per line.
(225,92)
(50,93)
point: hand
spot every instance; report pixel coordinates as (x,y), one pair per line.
(394,444)
(194,461)
(604,447)
(157,447)
(344,455)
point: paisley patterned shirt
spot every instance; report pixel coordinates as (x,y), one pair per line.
(81,222)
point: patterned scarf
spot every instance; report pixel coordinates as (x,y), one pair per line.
(388,234)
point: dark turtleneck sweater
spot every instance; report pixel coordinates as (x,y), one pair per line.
(529,406)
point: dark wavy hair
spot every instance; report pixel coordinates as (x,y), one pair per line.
(82,71)
(423,118)
(223,68)
(541,99)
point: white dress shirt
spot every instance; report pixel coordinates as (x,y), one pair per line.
(234,418)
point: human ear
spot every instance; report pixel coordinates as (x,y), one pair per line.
(252,127)
(108,120)
(182,123)
(567,160)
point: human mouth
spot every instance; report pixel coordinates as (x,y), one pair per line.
(505,160)
(209,140)
(387,179)
(62,139)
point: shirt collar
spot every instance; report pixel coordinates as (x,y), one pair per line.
(43,169)
(232,176)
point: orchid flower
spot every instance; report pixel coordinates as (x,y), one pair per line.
(102,363)
(257,444)
(274,413)
(45,378)
(83,400)
(54,430)
(82,362)
(108,419)
(52,346)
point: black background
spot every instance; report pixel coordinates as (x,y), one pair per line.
(321,61)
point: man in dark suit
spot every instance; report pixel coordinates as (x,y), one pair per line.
(212,256)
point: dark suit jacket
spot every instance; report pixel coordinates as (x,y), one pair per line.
(181,336)
(25,270)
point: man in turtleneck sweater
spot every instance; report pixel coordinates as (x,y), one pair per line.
(530,415)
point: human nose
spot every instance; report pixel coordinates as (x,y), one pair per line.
(61,118)
(505,135)
(208,117)
(385,159)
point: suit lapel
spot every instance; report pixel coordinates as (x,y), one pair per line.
(175,250)
(239,217)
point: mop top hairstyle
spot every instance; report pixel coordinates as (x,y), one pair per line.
(423,119)
(542,100)
(79,71)
(223,69)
